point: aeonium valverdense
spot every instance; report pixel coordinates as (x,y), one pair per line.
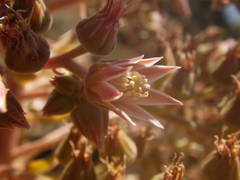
(123,85)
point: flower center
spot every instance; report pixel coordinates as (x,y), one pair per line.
(135,84)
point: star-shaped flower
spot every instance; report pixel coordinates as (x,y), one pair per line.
(124,85)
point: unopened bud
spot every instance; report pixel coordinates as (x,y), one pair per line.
(36,10)
(182,7)
(219,4)
(230,108)
(91,120)
(67,85)
(63,151)
(120,145)
(98,34)
(26,52)
(223,163)
(173,171)
(80,167)
(58,104)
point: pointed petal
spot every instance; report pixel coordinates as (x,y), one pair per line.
(148,62)
(156,98)
(106,91)
(128,61)
(156,72)
(137,112)
(108,73)
(91,120)
(119,112)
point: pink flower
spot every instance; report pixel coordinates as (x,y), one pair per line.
(123,85)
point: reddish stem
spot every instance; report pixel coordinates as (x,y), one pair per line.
(46,142)
(56,62)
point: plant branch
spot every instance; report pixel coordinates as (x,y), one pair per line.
(57,61)
(48,141)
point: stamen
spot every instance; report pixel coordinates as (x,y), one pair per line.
(135,84)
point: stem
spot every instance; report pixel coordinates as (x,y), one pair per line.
(75,68)
(46,142)
(8,140)
(34,95)
(56,62)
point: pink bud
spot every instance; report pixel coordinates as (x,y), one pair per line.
(98,34)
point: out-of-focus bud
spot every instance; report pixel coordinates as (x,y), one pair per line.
(26,52)
(223,163)
(63,151)
(120,145)
(14,117)
(41,19)
(80,167)
(98,34)
(174,171)
(218,4)
(111,169)
(182,7)
(67,85)
(237,3)
(230,108)
(91,120)
(230,64)
(58,104)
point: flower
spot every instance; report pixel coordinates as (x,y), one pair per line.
(98,34)
(123,85)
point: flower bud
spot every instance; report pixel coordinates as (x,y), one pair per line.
(219,4)
(173,171)
(26,52)
(14,117)
(230,108)
(58,104)
(67,85)
(92,121)
(76,171)
(63,151)
(230,65)
(80,167)
(182,7)
(41,19)
(120,145)
(223,163)
(98,34)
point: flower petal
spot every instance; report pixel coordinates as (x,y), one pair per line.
(119,112)
(156,98)
(106,91)
(108,73)
(138,113)
(122,62)
(148,62)
(156,72)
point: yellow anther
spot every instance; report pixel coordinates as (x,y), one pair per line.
(135,84)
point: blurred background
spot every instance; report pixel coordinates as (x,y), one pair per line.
(201,139)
